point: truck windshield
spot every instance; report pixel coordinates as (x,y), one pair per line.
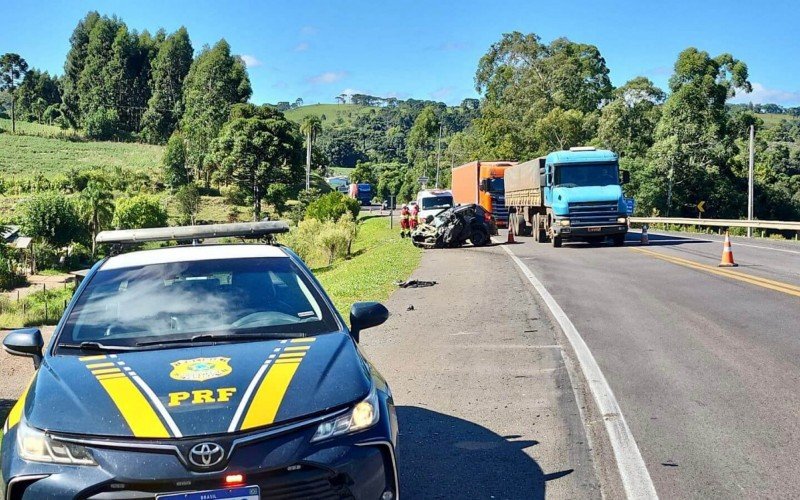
(586,175)
(444,201)
(497,185)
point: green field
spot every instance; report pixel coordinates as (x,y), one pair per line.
(37,129)
(347,112)
(27,156)
(773,119)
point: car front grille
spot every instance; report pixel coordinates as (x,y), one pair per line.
(303,482)
(499,208)
(593,213)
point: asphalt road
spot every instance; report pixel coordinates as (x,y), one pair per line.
(485,403)
(705,363)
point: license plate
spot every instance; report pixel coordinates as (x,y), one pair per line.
(243,493)
(594,229)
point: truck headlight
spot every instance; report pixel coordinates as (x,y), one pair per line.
(563,222)
(365,414)
(36,446)
(622,220)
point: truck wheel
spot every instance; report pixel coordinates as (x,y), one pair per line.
(556,241)
(619,239)
(539,233)
(519,227)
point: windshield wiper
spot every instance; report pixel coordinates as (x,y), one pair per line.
(97,346)
(223,337)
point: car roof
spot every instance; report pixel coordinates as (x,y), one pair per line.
(190,254)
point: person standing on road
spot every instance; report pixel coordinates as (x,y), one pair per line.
(414,221)
(405,216)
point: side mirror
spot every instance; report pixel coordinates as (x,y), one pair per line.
(365,315)
(626,176)
(25,342)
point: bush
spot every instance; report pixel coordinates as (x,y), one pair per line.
(52,218)
(277,195)
(9,277)
(234,195)
(139,212)
(332,207)
(321,242)
(102,124)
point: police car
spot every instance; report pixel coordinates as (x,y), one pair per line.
(201,372)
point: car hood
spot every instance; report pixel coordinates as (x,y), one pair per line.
(197,391)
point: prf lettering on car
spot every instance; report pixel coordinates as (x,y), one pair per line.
(202,396)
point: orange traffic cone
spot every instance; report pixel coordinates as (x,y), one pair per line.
(510,234)
(727,253)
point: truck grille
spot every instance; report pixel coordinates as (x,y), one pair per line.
(593,213)
(499,208)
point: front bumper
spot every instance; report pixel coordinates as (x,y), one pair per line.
(569,232)
(359,465)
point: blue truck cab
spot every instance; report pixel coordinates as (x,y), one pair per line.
(582,191)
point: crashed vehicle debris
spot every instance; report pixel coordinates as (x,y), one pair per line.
(456,226)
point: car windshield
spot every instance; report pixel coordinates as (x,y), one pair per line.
(586,175)
(497,185)
(174,301)
(442,201)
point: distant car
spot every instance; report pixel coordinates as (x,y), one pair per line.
(200,372)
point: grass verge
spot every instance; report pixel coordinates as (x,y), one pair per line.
(380,257)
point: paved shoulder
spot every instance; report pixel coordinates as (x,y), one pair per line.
(484,399)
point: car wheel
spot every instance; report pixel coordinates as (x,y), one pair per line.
(479,238)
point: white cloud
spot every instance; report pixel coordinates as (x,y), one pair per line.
(302,47)
(309,30)
(351,91)
(250,61)
(327,77)
(764,95)
(442,93)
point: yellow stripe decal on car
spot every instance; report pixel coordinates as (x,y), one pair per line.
(304,339)
(297,348)
(134,407)
(95,366)
(269,395)
(132,404)
(16,411)
(92,358)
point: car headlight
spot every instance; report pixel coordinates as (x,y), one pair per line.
(365,414)
(622,220)
(564,222)
(37,446)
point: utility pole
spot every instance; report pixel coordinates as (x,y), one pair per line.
(438,155)
(750,181)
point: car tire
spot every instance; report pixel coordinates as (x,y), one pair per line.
(479,238)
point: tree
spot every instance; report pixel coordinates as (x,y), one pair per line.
(422,137)
(51,218)
(13,69)
(523,80)
(332,206)
(692,157)
(627,123)
(173,163)
(73,67)
(366,173)
(37,92)
(256,147)
(139,212)
(165,107)
(99,83)
(310,126)
(216,81)
(96,207)
(188,200)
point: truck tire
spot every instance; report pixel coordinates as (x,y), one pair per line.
(618,239)
(520,228)
(556,241)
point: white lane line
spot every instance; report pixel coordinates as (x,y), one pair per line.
(632,469)
(735,242)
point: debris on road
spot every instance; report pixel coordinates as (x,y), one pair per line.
(414,283)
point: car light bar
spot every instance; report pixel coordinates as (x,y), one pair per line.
(235,230)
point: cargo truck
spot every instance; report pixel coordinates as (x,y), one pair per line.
(481,183)
(568,195)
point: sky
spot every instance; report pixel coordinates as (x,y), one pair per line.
(318,49)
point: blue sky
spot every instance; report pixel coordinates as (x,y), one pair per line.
(429,49)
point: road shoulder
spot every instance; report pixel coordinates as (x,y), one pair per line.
(485,401)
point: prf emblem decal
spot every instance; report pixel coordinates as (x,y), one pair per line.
(200,369)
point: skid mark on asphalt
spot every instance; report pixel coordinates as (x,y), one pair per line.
(634,474)
(777,286)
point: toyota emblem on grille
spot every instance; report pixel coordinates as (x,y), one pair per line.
(206,454)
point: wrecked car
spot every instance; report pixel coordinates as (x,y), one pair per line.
(453,227)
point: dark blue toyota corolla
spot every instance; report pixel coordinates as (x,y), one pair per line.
(201,372)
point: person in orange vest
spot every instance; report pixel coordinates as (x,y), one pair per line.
(414,216)
(405,216)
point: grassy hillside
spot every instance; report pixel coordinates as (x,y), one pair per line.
(37,129)
(28,155)
(332,112)
(774,119)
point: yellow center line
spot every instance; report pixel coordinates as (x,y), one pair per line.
(736,275)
